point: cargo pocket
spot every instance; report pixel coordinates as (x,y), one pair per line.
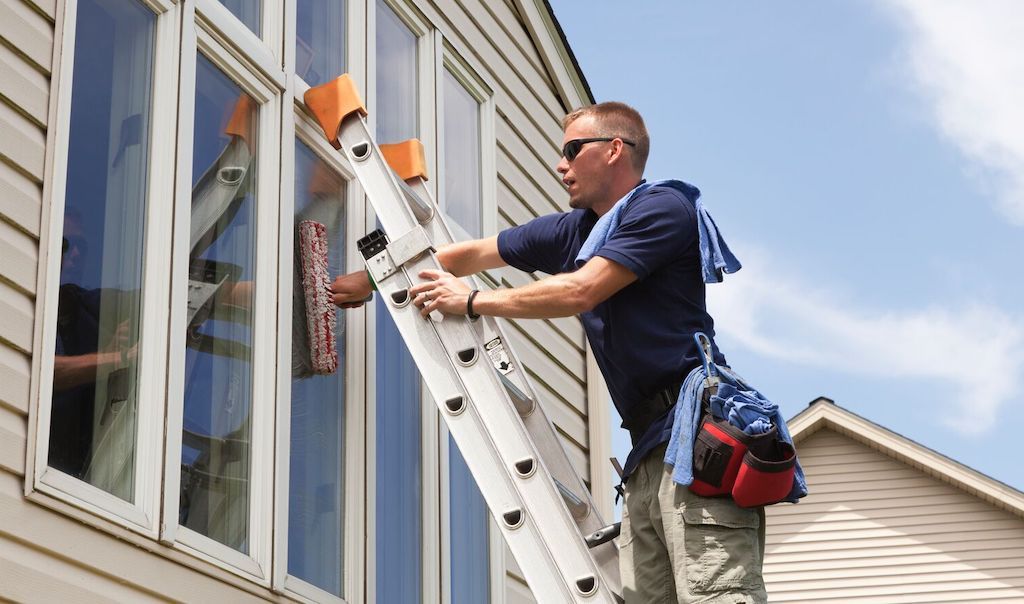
(722,551)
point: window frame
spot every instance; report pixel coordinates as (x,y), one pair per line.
(264,49)
(425,33)
(142,515)
(256,565)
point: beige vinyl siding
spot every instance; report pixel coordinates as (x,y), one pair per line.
(874,529)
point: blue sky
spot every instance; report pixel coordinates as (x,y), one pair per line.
(865,160)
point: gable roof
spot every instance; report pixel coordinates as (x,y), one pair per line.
(566,75)
(823,413)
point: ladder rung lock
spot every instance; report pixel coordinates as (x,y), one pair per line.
(400,297)
(409,246)
(455,405)
(525,467)
(587,586)
(467,356)
(513,518)
(361,151)
(331,102)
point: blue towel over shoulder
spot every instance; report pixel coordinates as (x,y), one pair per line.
(716,258)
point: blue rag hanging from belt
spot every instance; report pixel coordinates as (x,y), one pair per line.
(716,258)
(736,401)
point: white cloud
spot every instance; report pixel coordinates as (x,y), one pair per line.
(976,350)
(967,58)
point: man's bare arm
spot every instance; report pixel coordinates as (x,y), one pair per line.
(561,295)
(460,259)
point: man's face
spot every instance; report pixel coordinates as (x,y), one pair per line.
(585,175)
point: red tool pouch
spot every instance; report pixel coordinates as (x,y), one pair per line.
(755,470)
(717,455)
(765,476)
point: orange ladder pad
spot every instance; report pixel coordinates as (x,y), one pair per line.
(406,159)
(332,102)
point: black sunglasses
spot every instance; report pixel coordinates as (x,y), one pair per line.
(573,147)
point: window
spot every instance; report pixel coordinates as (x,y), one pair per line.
(223,336)
(201,423)
(217,425)
(399,409)
(320,40)
(463,114)
(94,413)
(316,492)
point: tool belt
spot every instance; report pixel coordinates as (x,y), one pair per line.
(754,469)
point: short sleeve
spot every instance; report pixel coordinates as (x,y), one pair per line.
(538,245)
(654,230)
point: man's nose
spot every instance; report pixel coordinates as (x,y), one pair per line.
(563,165)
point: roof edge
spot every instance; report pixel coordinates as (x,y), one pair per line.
(824,413)
(570,83)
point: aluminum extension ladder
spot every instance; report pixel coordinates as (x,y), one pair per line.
(544,510)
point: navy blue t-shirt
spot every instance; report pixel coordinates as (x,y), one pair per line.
(642,336)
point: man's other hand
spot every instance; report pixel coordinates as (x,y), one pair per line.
(351,290)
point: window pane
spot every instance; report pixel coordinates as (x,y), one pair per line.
(93,422)
(217,427)
(316,493)
(397,89)
(470,548)
(320,40)
(399,467)
(462,179)
(247,11)
(399,529)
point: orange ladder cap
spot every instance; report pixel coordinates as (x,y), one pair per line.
(406,159)
(332,102)
(240,124)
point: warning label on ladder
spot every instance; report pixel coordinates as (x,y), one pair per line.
(499,356)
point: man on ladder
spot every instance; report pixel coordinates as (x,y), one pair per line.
(628,261)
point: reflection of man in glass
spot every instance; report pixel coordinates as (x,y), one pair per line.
(87,355)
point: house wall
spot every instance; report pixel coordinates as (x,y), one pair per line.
(53,552)
(877,530)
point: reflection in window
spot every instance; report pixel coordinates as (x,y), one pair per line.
(399,495)
(320,40)
(461,136)
(462,187)
(93,420)
(216,436)
(397,91)
(316,492)
(247,11)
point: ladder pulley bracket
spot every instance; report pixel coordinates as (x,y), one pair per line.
(409,246)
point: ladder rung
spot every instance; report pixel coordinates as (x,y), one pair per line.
(578,507)
(603,535)
(524,404)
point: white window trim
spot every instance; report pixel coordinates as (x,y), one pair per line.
(265,51)
(142,515)
(256,564)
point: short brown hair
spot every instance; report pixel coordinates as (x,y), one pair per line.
(614,119)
